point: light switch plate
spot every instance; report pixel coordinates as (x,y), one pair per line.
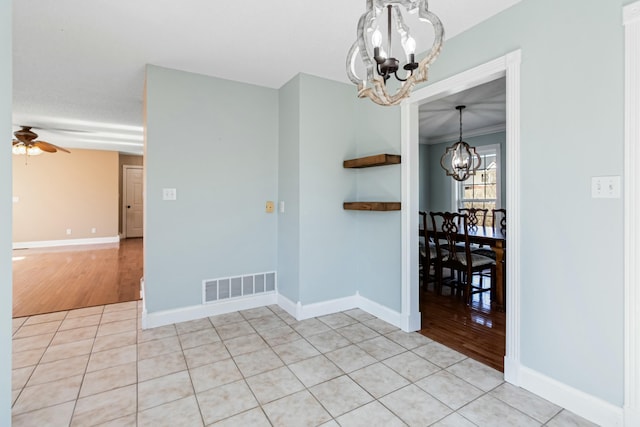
(169,194)
(605,187)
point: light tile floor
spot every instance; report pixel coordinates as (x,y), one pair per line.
(258,367)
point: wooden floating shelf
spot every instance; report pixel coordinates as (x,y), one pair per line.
(370,161)
(371,206)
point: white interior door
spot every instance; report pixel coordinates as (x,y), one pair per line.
(133,201)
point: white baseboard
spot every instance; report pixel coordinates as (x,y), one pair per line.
(66,242)
(318,309)
(184,314)
(631,417)
(381,312)
(585,405)
(287,305)
(297,310)
(307,311)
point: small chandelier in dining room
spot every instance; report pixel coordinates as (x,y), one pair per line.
(460,161)
(381,65)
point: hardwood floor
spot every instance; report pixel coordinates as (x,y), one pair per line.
(477,331)
(55,279)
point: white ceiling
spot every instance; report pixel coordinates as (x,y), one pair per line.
(484,112)
(79,65)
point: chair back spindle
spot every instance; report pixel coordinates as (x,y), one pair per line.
(477,216)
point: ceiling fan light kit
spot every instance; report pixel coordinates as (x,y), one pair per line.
(26,144)
(381,65)
(460,161)
(20,149)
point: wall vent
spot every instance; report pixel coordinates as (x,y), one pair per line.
(225,288)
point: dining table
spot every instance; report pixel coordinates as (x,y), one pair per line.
(496,239)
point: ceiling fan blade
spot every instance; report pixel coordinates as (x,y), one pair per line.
(15,141)
(48,147)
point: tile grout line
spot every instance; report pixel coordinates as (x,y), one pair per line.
(75,404)
(37,364)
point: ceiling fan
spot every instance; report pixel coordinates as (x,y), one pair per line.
(25,143)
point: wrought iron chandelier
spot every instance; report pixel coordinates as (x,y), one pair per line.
(380,64)
(460,161)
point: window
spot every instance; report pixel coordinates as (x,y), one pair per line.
(482,190)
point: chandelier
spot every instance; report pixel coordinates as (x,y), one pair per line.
(460,161)
(381,65)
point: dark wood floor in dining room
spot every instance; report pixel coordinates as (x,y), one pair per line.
(476,331)
(46,280)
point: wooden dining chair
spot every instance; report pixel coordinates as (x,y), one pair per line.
(499,222)
(452,229)
(499,218)
(423,242)
(477,216)
(428,255)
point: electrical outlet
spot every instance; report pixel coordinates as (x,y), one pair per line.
(281,207)
(93,230)
(68,231)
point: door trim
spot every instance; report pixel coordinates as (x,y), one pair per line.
(124,196)
(631,21)
(509,66)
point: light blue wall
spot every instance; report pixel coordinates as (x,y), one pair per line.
(254,144)
(440,186)
(571,129)
(5,214)
(289,191)
(379,233)
(216,142)
(340,252)
(328,240)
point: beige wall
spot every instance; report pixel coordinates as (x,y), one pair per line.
(56,192)
(129,160)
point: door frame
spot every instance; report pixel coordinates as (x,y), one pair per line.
(631,22)
(506,66)
(125,168)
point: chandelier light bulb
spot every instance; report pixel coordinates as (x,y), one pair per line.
(409,46)
(376,38)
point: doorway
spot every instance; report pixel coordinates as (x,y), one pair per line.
(507,66)
(476,330)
